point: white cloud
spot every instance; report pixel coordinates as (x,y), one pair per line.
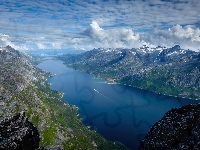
(137,14)
(66,24)
(187,37)
(117,37)
(5,40)
(94,36)
(41,46)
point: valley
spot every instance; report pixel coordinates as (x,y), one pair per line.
(23,87)
(168,71)
(56,113)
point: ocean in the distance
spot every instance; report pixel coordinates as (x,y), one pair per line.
(118,112)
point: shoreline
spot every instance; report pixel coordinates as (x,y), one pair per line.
(80,116)
(107,81)
(112,81)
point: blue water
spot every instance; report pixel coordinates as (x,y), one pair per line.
(118,112)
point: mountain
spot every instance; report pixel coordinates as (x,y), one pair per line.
(171,71)
(178,129)
(23,87)
(18,133)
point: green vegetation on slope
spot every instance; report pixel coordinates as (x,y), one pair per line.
(79,136)
(177,76)
(23,87)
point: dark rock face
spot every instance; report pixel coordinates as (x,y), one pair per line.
(18,133)
(178,129)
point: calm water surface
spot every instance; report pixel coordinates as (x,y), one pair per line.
(118,112)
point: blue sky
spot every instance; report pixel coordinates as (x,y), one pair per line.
(62,24)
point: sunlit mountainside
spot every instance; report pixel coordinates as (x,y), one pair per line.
(23,87)
(171,71)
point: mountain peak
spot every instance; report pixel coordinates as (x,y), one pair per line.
(176,47)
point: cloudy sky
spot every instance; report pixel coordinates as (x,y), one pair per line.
(79,24)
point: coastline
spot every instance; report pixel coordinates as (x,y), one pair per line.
(98,79)
(113,81)
(81,118)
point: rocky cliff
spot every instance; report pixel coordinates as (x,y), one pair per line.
(23,87)
(178,129)
(18,133)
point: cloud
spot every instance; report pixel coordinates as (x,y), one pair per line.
(41,46)
(88,24)
(5,40)
(136,14)
(117,37)
(187,37)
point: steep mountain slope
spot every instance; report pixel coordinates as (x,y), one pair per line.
(178,129)
(23,87)
(172,71)
(18,133)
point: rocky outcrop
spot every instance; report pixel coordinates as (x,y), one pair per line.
(18,133)
(178,129)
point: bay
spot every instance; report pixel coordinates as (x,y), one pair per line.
(117,112)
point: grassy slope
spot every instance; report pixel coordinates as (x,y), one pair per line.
(156,80)
(57,121)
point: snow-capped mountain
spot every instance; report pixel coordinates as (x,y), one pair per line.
(172,71)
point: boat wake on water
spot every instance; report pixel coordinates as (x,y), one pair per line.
(105,96)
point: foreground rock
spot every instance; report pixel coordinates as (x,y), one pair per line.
(178,129)
(18,133)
